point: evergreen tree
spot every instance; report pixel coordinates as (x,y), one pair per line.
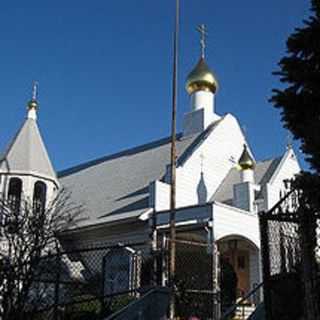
(299,102)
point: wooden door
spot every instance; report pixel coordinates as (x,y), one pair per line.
(239,259)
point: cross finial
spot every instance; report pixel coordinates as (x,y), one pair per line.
(33,103)
(289,141)
(201,161)
(203,33)
(35,86)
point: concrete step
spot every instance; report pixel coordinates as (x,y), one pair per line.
(244,312)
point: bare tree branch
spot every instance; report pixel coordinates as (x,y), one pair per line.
(28,232)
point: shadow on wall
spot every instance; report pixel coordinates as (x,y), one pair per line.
(202,191)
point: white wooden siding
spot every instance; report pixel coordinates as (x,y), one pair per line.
(287,169)
(213,159)
(229,221)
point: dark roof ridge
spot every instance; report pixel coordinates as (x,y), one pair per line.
(129,151)
(156,143)
(270,159)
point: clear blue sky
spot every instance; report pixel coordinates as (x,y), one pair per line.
(104,69)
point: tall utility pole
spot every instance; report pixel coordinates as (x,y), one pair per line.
(172,244)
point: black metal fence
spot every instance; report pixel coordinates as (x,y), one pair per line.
(95,282)
(90,283)
(194,280)
(288,246)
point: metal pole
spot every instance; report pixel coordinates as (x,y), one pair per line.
(215,282)
(57,285)
(265,257)
(102,298)
(172,245)
(215,272)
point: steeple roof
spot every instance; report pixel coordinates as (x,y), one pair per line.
(27,153)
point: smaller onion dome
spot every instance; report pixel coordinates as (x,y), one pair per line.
(33,104)
(246,161)
(201,78)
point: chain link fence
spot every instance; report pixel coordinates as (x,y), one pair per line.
(194,280)
(90,283)
(284,247)
(96,282)
(283,262)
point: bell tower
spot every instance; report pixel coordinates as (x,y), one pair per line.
(26,171)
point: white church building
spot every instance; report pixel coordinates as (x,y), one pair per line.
(220,185)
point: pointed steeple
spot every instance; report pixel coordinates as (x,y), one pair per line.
(27,153)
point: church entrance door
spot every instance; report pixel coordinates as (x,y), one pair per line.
(239,260)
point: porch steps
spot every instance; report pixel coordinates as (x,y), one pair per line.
(153,305)
(243,312)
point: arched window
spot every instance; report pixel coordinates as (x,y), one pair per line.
(14,192)
(39,195)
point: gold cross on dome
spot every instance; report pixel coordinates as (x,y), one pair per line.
(203,33)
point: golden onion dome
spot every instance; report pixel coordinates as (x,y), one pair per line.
(201,78)
(246,161)
(33,104)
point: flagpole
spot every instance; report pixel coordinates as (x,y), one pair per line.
(172,244)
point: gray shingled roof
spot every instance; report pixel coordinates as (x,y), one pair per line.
(262,174)
(27,152)
(116,187)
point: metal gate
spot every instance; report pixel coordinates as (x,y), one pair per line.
(195,290)
(288,246)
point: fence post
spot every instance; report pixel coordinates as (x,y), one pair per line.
(265,257)
(164,260)
(102,304)
(57,286)
(216,303)
(216,287)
